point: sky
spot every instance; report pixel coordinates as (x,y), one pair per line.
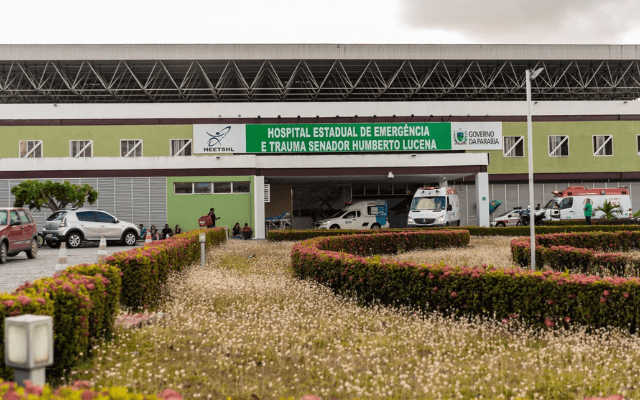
(322,21)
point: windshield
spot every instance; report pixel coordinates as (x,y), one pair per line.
(3,217)
(56,216)
(552,203)
(429,203)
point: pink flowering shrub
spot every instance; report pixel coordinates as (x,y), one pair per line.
(304,234)
(543,299)
(586,253)
(72,308)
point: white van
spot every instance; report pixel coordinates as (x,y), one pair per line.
(434,206)
(371,214)
(569,203)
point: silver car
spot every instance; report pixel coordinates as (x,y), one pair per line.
(77,226)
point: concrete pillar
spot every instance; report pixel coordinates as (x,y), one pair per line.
(443,183)
(258,207)
(482,198)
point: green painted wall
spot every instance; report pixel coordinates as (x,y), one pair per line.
(581,158)
(106,139)
(185,209)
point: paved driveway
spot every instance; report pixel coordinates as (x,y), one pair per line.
(20,269)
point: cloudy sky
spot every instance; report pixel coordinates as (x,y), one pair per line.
(321,21)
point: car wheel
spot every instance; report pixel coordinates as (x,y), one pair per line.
(334,227)
(501,225)
(40,240)
(54,244)
(375,226)
(33,250)
(519,223)
(3,253)
(130,238)
(74,240)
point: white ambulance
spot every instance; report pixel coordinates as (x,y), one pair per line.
(570,203)
(434,206)
(370,214)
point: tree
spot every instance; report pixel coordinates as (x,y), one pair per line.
(52,195)
(609,210)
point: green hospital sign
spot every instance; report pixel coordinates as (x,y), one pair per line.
(321,138)
(347,138)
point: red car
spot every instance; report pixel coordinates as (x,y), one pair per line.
(18,232)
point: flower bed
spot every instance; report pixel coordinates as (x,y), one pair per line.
(304,234)
(79,390)
(539,299)
(84,300)
(587,253)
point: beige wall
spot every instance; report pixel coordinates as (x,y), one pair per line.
(280,201)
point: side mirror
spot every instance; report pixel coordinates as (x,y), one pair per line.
(15,223)
(449,207)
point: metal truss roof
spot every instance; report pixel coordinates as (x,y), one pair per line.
(309,80)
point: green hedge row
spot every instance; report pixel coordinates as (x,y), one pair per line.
(538,298)
(594,253)
(304,234)
(84,300)
(79,390)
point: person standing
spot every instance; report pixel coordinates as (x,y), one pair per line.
(212,214)
(588,211)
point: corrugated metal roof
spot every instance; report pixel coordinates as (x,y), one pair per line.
(25,52)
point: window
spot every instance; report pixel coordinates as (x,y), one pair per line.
(180,147)
(14,217)
(202,187)
(222,187)
(30,148)
(104,217)
(371,189)
(386,188)
(183,188)
(81,148)
(513,146)
(23,217)
(558,146)
(638,144)
(567,202)
(131,148)
(357,190)
(241,187)
(86,216)
(3,217)
(603,145)
(352,214)
(57,216)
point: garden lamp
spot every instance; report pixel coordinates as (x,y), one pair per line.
(28,347)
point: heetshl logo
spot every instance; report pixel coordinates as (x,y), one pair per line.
(216,138)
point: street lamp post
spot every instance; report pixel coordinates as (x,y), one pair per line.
(532,219)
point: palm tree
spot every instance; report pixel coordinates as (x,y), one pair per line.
(609,210)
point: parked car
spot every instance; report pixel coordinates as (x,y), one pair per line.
(18,232)
(511,218)
(80,225)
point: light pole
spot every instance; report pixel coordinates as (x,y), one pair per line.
(532,219)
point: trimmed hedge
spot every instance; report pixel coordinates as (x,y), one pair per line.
(79,390)
(304,234)
(84,300)
(536,298)
(593,253)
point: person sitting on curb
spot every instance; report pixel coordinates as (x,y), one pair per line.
(167,232)
(143,232)
(178,230)
(247,232)
(236,231)
(155,235)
